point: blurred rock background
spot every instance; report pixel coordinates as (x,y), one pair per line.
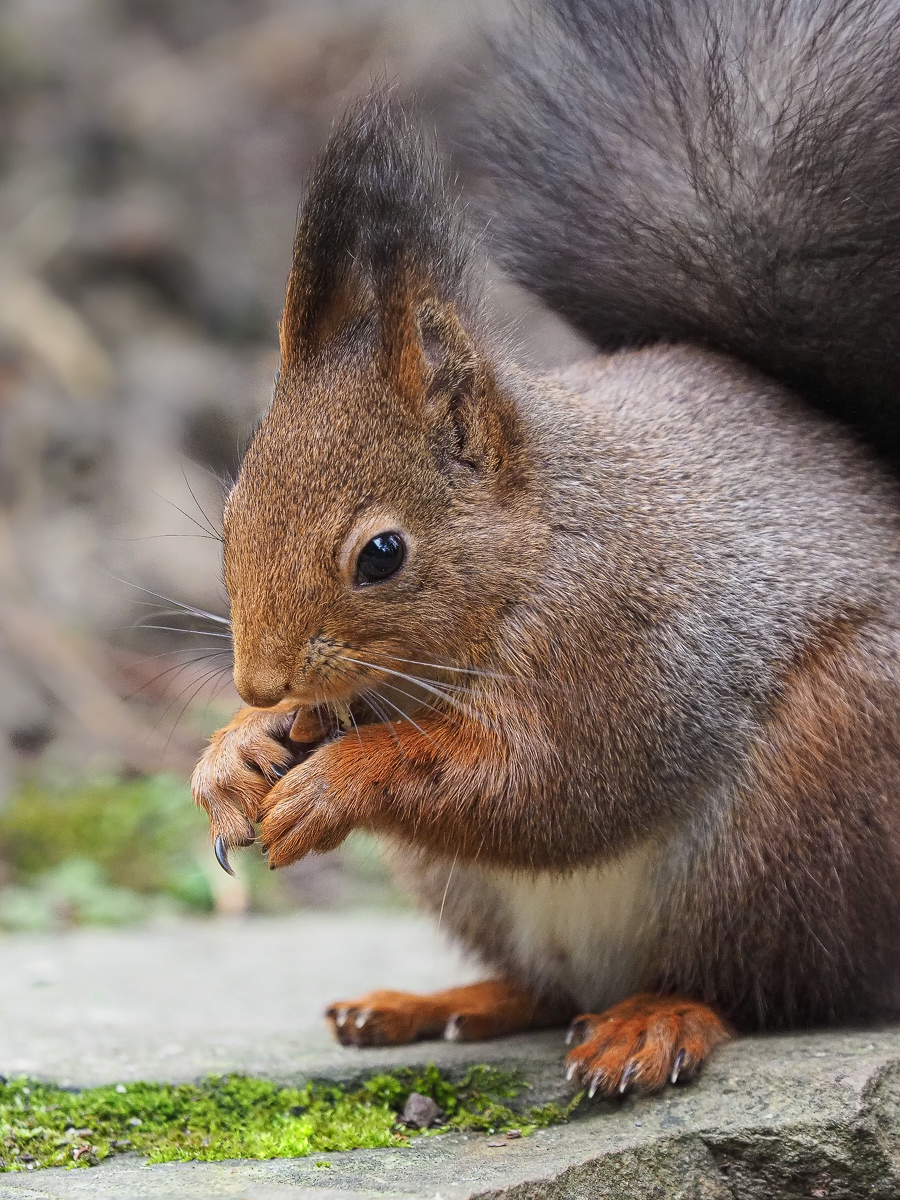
(152,155)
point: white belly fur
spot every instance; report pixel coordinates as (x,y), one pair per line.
(590,931)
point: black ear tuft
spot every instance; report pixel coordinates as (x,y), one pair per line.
(377,234)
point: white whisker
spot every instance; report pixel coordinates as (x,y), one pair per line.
(180,629)
(431,707)
(358,738)
(447,888)
(383,718)
(176,669)
(428,687)
(188,608)
(406,717)
(417,662)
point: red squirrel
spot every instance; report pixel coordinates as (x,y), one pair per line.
(608,658)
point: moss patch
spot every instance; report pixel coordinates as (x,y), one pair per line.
(235,1116)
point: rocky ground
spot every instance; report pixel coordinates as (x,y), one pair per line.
(778,1118)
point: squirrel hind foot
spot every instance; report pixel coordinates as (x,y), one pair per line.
(465,1014)
(642,1044)
(383,1019)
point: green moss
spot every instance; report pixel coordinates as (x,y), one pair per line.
(235,1116)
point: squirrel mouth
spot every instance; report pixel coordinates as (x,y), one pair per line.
(323,723)
(330,720)
(336,717)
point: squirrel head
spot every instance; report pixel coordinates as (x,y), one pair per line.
(382,508)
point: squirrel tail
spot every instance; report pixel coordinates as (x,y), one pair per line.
(723,171)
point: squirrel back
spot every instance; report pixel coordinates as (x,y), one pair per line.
(728,173)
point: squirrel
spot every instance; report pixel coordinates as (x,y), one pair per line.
(609,658)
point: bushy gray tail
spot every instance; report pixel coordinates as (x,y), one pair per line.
(718,170)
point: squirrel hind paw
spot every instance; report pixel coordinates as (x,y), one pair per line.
(642,1044)
(391,1019)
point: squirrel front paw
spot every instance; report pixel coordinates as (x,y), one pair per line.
(239,767)
(313,808)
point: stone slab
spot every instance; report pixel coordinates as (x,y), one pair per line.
(803,1115)
(178,1001)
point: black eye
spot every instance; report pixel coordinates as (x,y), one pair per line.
(380,558)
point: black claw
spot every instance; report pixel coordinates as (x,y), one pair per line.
(222,856)
(278,772)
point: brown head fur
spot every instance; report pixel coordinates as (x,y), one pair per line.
(386,417)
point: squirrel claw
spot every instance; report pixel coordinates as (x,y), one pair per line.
(676,1069)
(221,849)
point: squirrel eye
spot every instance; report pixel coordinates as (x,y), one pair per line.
(380,558)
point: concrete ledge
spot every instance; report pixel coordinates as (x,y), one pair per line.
(804,1115)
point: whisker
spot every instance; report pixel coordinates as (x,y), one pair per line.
(202,683)
(478,671)
(403,715)
(179,629)
(223,683)
(193,520)
(345,674)
(175,670)
(169,612)
(447,888)
(188,608)
(432,707)
(418,683)
(406,717)
(208,529)
(169,653)
(190,700)
(319,714)
(359,739)
(150,537)
(210,526)
(384,719)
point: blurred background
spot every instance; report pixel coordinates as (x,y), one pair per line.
(152,155)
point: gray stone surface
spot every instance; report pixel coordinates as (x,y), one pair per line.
(178,1001)
(806,1115)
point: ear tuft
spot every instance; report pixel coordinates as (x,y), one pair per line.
(381,247)
(377,233)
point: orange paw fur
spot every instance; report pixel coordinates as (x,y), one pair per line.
(385,1018)
(240,765)
(642,1043)
(465,1014)
(309,812)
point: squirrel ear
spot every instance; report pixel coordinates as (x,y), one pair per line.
(474,423)
(378,233)
(317,305)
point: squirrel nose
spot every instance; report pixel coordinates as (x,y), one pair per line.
(259,687)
